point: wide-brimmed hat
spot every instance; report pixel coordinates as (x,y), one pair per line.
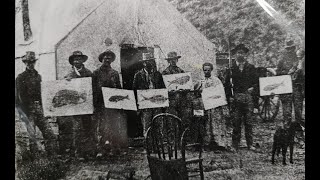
(240,47)
(147,56)
(29,57)
(77,54)
(108,52)
(290,44)
(172,55)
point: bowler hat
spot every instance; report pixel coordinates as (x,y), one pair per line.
(77,54)
(30,56)
(108,52)
(289,44)
(172,55)
(240,47)
(147,56)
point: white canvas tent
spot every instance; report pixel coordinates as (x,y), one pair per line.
(60,27)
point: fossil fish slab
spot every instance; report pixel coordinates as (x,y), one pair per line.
(158,99)
(152,98)
(118,98)
(275,85)
(180,81)
(68,97)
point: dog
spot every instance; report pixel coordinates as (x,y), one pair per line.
(284,138)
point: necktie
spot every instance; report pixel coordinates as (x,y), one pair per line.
(150,82)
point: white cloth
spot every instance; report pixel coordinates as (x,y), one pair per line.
(149,79)
(77,70)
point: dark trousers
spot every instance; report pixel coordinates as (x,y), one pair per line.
(243,115)
(36,117)
(111,126)
(181,106)
(286,100)
(84,140)
(146,117)
(298,101)
(295,99)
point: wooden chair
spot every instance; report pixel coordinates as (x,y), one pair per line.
(192,153)
(163,146)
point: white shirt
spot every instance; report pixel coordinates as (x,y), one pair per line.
(148,79)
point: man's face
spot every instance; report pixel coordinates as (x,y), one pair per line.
(173,62)
(77,62)
(107,59)
(149,65)
(207,71)
(240,56)
(30,65)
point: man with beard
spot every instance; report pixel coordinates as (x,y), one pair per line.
(148,78)
(180,102)
(244,79)
(288,66)
(111,123)
(29,100)
(83,131)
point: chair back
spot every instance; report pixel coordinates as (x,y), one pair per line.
(191,150)
(163,146)
(163,138)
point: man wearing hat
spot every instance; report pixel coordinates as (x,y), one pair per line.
(78,69)
(111,135)
(245,80)
(29,99)
(180,102)
(288,65)
(148,78)
(83,131)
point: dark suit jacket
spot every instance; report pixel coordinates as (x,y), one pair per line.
(103,77)
(140,80)
(244,80)
(28,87)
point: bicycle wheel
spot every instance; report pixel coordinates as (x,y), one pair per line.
(268,107)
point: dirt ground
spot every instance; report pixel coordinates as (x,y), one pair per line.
(245,164)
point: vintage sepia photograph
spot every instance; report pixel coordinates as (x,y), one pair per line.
(159,89)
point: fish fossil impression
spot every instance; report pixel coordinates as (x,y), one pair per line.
(273,86)
(66,97)
(214,97)
(158,99)
(118,98)
(180,81)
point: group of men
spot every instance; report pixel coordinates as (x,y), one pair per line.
(244,82)
(28,92)
(150,78)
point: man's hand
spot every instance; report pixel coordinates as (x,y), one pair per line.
(272,95)
(68,78)
(292,70)
(250,90)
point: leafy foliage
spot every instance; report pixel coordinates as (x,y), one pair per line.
(244,21)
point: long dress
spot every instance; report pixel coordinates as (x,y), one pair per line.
(215,123)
